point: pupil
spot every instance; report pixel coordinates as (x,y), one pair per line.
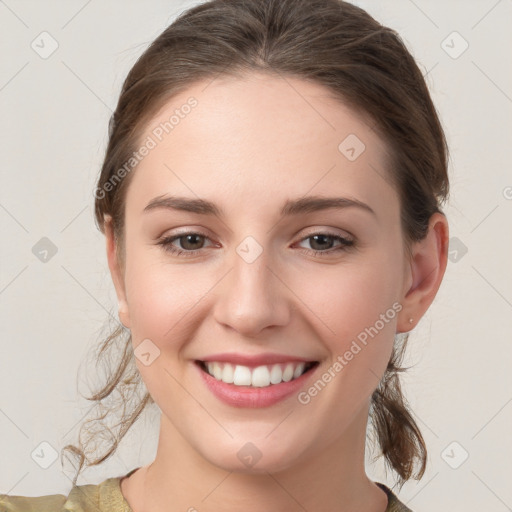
(191,237)
(321,237)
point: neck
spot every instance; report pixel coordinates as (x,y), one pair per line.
(179,479)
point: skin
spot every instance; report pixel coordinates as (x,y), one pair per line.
(252,143)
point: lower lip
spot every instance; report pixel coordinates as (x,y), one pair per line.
(245,396)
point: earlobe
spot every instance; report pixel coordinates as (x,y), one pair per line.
(426,270)
(116,272)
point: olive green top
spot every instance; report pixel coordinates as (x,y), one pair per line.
(107,497)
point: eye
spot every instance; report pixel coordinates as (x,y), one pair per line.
(324,242)
(188,241)
(192,242)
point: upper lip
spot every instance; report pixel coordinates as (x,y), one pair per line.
(255,360)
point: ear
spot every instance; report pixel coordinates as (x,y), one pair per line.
(115,271)
(424,272)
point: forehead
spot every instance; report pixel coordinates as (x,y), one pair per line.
(257,139)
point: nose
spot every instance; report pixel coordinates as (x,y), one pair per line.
(252,297)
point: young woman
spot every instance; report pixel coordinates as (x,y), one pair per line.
(271,201)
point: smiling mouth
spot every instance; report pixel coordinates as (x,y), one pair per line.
(258,377)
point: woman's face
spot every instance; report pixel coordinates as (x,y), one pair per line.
(248,288)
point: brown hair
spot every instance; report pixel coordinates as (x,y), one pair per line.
(334,44)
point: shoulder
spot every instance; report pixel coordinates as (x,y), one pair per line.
(394,504)
(31,504)
(103,497)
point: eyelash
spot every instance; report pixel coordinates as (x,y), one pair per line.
(167,241)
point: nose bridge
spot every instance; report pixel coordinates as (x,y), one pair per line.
(252,297)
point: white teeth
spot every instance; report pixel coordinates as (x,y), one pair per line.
(276,374)
(242,376)
(288,372)
(259,377)
(227,374)
(299,370)
(217,371)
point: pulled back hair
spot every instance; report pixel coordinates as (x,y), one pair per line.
(329,42)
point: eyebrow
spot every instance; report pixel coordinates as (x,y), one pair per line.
(306,204)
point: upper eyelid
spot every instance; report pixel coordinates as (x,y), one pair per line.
(317,231)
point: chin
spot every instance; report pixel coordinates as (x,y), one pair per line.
(251,457)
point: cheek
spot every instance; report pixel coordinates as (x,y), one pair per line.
(161,301)
(161,294)
(346,299)
(358,308)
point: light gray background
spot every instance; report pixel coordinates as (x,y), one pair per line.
(54,114)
